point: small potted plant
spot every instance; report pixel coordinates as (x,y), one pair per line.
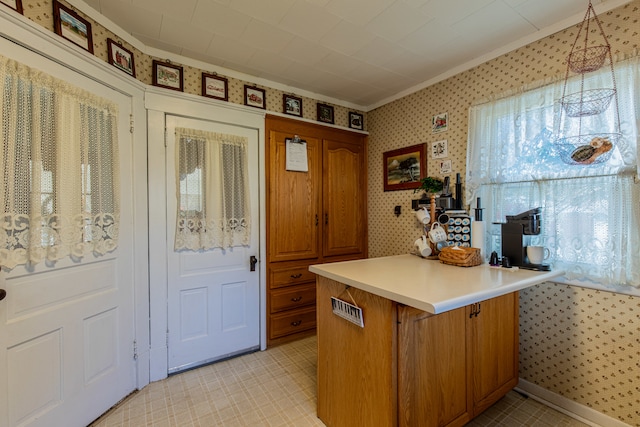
(430,185)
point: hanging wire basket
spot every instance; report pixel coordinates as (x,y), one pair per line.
(587,149)
(587,102)
(588,59)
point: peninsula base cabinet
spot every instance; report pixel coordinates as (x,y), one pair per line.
(407,367)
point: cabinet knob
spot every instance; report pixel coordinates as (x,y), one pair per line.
(296,276)
(296,323)
(296,299)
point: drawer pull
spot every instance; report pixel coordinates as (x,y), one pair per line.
(296,323)
(296,299)
(296,276)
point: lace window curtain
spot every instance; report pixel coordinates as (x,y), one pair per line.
(212,190)
(590,214)
(58,151)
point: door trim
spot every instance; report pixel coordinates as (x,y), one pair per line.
(160,104)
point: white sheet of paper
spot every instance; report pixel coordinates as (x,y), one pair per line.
(296,156)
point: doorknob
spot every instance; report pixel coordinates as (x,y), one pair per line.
(252,262)
(3,294)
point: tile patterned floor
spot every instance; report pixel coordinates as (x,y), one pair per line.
(276,387)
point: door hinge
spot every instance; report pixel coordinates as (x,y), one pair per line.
(135,350)
(131,123)
(165,137)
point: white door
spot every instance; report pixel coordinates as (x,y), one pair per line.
(213,296)
(67,330)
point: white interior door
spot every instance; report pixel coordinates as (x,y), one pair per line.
(67,330)
(213,296)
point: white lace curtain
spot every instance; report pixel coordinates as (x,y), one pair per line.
(590,214)
(212,190)
(58,151)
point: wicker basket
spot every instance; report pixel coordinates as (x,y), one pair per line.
(461,257)
(589,59)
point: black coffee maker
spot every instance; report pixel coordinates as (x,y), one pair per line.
(515,238)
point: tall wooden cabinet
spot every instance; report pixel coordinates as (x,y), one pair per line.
(312,217)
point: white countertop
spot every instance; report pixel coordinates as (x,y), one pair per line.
(430,285)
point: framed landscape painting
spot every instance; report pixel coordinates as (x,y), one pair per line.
(72,26)
(404,168)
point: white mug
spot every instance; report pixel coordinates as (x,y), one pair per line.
(423,246)
(423,215)
(537,254)
(437,233)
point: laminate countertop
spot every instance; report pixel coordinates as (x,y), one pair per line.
(430,285)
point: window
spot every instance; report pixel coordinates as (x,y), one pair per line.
(58,151)
(590,213)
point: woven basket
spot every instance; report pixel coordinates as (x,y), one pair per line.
(461,257)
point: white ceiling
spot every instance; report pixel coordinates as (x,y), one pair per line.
(361,52)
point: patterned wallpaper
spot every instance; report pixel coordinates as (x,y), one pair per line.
(41,12)
(579,343)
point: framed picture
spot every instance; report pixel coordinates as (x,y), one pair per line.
(325,113)
(404,168)
(445,167)
(121,58)
(439,149)
(13,4)
(215,86)
(292,105)
(356,121)
(254,97)
(440,123)
(167,75)
(71,26)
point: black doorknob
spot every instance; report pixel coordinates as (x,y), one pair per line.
(3,294)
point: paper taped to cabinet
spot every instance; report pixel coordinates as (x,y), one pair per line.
(296,155)
(347,311)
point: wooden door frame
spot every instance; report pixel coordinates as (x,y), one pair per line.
(159,104)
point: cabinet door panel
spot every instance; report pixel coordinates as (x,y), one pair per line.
(494,345)
(344,203)
(294,202)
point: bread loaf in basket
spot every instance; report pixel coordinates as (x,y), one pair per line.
(462,257)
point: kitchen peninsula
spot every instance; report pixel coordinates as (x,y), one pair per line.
(439,343)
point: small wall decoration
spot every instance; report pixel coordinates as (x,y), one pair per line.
(121,58)
(254,97)
(404,168)
(440,123)
(439,149)
(325,113)
(445,167)
(167,75)
(13,4)
(292,105)
(356,121)
(215,86)
(72,27)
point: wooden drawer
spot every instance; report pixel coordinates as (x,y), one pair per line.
(291,275)
(292,297)
(290,322)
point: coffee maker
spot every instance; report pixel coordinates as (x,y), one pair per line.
(516,234)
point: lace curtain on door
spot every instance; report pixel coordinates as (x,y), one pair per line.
(212,190)
(58,152)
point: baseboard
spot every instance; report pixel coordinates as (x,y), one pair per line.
(569,407)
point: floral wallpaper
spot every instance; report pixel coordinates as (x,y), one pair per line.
(579,343)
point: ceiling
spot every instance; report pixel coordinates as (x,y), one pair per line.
(362,53)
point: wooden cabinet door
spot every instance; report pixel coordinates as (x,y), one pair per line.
(344,192)
(494,349)
(432,368)
(294,202)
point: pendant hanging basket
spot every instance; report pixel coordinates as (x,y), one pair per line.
(583,146)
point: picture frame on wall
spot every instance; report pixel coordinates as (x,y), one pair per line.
(404,168)
(71,26)
(13,4)
(325,113)
(254,97)
(292,105)
(439,149)
(215,86)
(121,57)
(167,75)
(440,123)
(356,120)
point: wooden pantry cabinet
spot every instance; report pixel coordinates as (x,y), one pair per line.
(313,217)
(407,367)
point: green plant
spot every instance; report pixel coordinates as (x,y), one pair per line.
(430,185)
